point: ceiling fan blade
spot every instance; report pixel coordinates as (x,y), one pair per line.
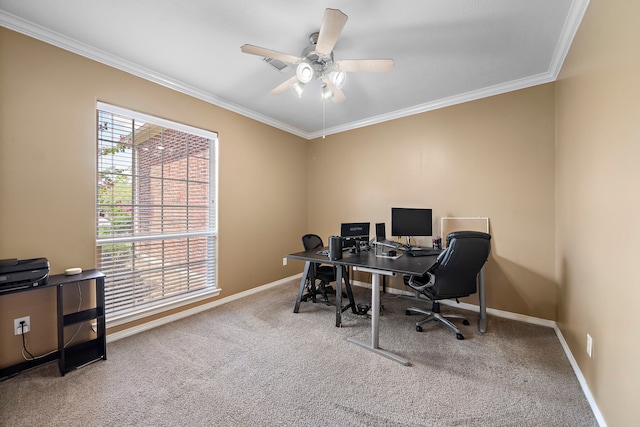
(268,53)
(332,24)
(338,94)
(365,65)
(284,86)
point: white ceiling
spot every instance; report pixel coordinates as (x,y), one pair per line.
(444,51)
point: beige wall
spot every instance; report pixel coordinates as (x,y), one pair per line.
(48,177)
(493,157)
(598,157)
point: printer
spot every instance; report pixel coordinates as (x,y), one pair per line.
(22,274)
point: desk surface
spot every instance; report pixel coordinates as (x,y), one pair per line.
(416,266)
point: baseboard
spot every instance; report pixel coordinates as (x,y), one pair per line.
(195,310)
(522,318)
(465,306)
(581,379)
(472,307)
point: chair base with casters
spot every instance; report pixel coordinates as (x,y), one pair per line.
(436,314)
(454,275)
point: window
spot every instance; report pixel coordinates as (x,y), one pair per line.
(156,216)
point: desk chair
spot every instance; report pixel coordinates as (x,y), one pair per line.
(325,273)
(454,275)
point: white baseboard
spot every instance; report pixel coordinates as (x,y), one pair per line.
(465,306)
(195,310)
(581,379)
(521,318)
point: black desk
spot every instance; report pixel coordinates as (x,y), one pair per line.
(366,261)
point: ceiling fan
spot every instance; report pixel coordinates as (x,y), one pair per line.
(316,60)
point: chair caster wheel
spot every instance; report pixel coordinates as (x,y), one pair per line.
(407,312)
(465,322)
(418,328)
(460,336)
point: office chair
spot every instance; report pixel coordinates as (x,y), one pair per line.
(325,273)
(454,275)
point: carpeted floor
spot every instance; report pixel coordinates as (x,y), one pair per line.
(253,362)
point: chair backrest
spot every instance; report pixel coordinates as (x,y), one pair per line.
(311,241)
(458,266)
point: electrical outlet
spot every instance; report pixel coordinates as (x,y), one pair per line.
(589,345)
(284,261)
(18,328)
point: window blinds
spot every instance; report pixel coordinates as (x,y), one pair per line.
(156,217)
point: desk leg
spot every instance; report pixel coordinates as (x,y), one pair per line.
(375,320)
(352,302)
(482,321)
(339,296)
(305,273)
(343,275)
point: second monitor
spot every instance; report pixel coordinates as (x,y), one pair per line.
(411,222)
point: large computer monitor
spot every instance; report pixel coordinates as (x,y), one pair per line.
(411,222)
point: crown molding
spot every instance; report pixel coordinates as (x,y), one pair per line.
(444,102)
(574,18)
(46,35)
(569,30)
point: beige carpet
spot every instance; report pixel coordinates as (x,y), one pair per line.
(253,362)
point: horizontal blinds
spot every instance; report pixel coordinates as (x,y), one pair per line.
(156,219)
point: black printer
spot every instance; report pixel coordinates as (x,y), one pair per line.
(22,274)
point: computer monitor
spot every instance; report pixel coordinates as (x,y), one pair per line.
(355,230)
(353,233)
(411,222)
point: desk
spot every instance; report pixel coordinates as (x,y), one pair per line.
(366,261)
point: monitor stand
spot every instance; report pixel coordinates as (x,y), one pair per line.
(408,244)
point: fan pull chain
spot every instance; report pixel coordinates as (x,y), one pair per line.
(323,103)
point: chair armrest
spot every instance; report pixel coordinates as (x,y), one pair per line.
(420,287)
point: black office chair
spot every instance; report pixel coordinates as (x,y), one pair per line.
(324,273)
(453,276)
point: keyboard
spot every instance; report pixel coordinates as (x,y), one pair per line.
(424,252)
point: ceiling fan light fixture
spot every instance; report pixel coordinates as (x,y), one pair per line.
(298,88)
(317,61)
(304,72)
(326,92)
(338,78)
